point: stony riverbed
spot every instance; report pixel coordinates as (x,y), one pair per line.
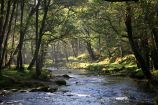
(86,89)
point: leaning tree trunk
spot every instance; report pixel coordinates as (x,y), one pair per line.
(138,56)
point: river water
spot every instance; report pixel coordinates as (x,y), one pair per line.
(86,89)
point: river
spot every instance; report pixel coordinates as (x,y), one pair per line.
(87,89)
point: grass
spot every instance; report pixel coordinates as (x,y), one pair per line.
(11,78)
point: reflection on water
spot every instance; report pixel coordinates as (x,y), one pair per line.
(86,90)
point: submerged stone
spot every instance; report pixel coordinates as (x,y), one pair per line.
(60,82)
(43,89)
(66,76)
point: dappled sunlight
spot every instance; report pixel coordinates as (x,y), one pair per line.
(78,52)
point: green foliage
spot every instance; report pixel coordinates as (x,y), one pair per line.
(95,67)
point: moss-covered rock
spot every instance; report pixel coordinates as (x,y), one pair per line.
(137,74)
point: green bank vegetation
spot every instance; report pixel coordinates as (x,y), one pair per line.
(12,79)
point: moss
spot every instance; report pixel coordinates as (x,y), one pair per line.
(128,59)
(104,61)
(137,74)
(78,65)
(112,65)
(95,67)
(13,79)
(83,57)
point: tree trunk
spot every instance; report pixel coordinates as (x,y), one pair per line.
(154,53)
(8,32)
(1,29)
(22,34)
(19,56)
(40,35)
(155,33)
(138,56)
(90,51)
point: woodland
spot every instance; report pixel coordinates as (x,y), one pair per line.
(109,37)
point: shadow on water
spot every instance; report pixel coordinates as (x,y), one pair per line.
(83,89)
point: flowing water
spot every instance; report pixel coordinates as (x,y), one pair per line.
(85,89)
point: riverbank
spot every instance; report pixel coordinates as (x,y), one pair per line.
(120,66)
(125,66)
(13,81)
